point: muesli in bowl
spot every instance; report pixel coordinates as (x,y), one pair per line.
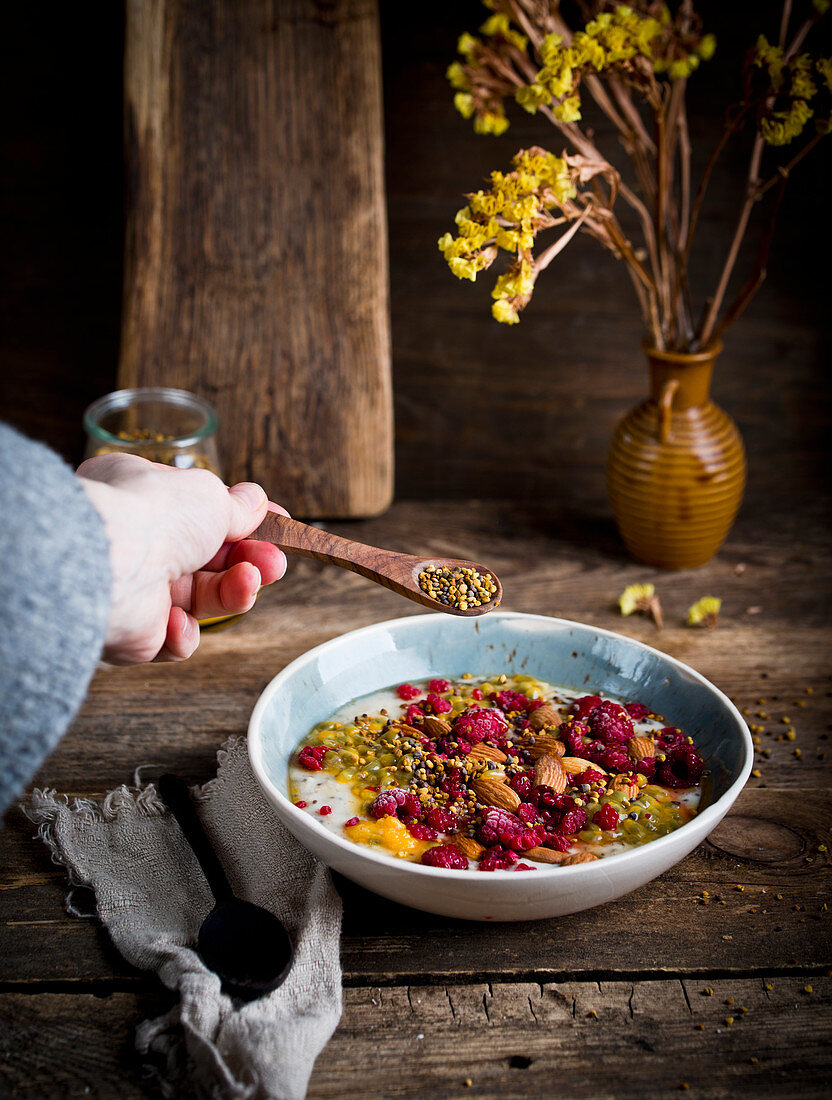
(493,773)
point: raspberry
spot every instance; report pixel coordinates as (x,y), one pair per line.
(572,821)
(669,737)
(421,831)
(583,706)
(526,812)
(647,766)
(589,776)
(437,704)
(520,784)
(495,821)
(511,700)
(454,783)
(445,855)
(606,818)
(414,715)
(325,811)
(392,801)
(301,805)
(439,685)
(683,768)
(557,843)
(616,760)
(610,722)
(476,724)
(443,820)
(546,799)
(452,745)
(352,821)
(497,859)
(524,867)
(499,826)
(311,757)
(477,694)
(408,691)
(572,736)
(637,711)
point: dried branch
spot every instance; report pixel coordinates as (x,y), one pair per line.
(758,275)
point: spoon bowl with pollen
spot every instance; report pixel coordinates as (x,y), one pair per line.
(442,584)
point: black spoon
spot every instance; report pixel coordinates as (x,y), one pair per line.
(246,945)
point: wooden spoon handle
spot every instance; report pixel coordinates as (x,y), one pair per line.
(398,572)
(295,537)
(177,798)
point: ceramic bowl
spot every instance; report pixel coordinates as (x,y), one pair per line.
(562,652)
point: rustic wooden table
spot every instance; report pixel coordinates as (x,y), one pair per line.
(633,999)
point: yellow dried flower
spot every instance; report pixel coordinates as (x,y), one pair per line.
(498,25)
(464,103)
(455,73)
(502,311)
(641,598)
(704,612)
(629,599)
(467,45)
(769,57)
(707,47)
(824,68)
(491,122)
(569,110)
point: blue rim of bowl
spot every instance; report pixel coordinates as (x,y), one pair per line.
(710,813)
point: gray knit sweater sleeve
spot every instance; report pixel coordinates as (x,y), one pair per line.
(54,602)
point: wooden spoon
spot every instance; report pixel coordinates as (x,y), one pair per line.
(246,945)
(399,572)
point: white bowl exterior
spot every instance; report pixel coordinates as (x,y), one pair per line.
(322,680)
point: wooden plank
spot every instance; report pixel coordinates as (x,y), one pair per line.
(777,921)
(74,1046)
(256,249)
(583,1039)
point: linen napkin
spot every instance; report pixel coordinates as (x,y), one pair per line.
(152,898)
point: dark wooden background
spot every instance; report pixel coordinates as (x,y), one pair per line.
(501,439)
(481,409)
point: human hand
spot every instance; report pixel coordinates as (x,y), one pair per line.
(175,553)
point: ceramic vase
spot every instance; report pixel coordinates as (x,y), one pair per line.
(676,468)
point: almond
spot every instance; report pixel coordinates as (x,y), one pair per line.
(468,846)
(436,727)
(486,752)
(544,855)
(410,731)
(544,743)
(579,857)
(549,773)
(640,747)
(626,785)
(574,765)
(545,717)
(493,792)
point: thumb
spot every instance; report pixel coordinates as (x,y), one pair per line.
(248,507)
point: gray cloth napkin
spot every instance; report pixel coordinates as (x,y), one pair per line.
(152,897)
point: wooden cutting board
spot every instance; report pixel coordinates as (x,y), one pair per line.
(256,248)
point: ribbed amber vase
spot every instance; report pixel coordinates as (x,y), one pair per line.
(676,467)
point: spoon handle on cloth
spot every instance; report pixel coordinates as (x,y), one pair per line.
(175,794)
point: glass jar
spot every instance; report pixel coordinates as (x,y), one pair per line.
(174,427)
(165,425)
